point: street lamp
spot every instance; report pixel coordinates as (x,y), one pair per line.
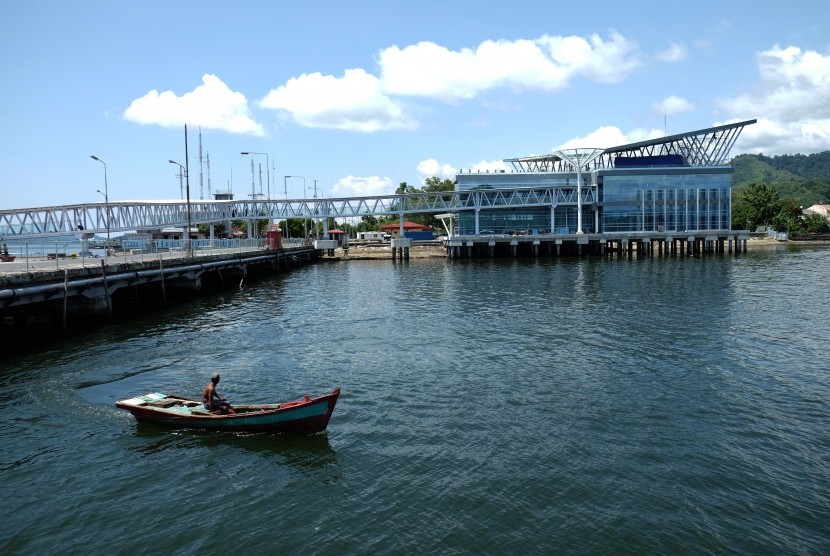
(106,195)
(181,178)
(267,169)
(182,172)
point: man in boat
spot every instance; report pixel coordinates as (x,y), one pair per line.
(213,400)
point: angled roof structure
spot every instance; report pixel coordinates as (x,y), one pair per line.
(704,147)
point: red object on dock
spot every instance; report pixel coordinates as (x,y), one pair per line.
(273,239)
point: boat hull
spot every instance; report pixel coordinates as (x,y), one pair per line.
(305,416)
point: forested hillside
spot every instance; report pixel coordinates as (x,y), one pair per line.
(804,179)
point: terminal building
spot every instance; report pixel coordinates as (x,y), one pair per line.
(670,188)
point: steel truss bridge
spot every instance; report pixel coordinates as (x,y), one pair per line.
(126,216)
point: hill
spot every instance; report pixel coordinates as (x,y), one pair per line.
(804,179)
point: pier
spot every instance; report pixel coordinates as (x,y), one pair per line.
(668,244)
(65,293)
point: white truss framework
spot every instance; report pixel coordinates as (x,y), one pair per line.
(579,158)
(705,147)
(137,215)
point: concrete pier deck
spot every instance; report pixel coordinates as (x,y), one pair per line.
(68,291)
(662,243)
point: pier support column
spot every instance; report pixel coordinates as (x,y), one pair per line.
(581,242)
(401,245)
(491,248)
(514,246)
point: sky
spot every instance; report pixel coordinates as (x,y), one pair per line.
(354,98)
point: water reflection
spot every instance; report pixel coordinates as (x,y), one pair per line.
(303,451)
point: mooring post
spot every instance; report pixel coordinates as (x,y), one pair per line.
(163,289)
(65,295)
(106,288)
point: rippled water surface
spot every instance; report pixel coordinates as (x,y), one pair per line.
(527,406)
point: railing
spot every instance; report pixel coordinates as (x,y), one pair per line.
(127,216)
(56,255)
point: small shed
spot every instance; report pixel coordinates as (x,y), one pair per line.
(411,230)
(340,236)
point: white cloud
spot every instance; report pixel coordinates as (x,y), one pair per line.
(792,103)
(354,102)
(353,186)
(610,136)
(431,167)
(211,105)
(774,137)
(547,63)
(360,101)
(674,53)
(489,166)
(672,105)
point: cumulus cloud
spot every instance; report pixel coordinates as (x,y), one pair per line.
(431,167)
(354,102)
(674,53)
(610,136)
(672,105)
(489,166)
(353,186)
(360,101)
(211,105)
(774,137)
(791,102)
(548,63)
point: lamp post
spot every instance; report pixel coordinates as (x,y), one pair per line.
(181,178)
(106,195)
(181,173)
(186,239)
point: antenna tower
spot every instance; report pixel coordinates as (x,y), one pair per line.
(201,177)
(208,167)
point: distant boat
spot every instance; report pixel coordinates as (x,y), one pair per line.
(304,416)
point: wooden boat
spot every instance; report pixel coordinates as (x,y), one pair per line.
(304,416)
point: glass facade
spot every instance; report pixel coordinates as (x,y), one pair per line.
(629,200)
(678,201)
(530,220)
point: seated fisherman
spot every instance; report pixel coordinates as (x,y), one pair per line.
(213,400)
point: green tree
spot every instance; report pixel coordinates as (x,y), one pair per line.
(218,230)
(405,188)
(816,224)
(789,218)
(368,223)
(758,204)
(435,184)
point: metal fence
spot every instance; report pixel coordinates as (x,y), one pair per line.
(56,255)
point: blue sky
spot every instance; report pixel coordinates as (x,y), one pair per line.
(360,96)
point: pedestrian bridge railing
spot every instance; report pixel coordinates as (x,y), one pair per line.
(123,216)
